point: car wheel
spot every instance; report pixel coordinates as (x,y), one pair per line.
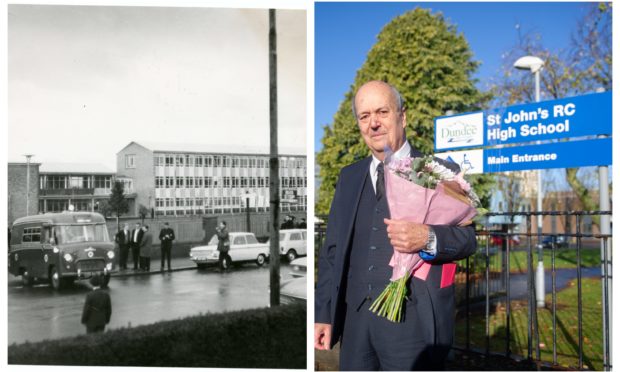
(55,280)
(291,255)
(27,280)
(260,260)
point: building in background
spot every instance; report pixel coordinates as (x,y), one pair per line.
(22,190)
(185,179)
(83,186)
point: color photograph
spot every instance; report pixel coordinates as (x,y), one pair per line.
(463,176)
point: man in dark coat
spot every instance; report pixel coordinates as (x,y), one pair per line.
(97,307)
(136,239)
(354,261)
(146,245)
(123,239)
(223,245)
(166,236)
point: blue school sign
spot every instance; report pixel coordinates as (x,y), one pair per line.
(572,117)
(565,154)
(562,125)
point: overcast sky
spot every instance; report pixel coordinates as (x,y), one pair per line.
(84,81)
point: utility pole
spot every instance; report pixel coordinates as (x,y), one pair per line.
(28,157)
(274,173)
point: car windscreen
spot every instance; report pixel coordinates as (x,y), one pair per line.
(81,233)
(213,240)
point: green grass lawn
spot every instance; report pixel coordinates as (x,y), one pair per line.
(567,327)
(564,259)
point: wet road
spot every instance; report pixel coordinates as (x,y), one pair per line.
(38,313)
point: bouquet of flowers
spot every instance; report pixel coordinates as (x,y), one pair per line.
(420,190)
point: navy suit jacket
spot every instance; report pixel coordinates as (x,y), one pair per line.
(453,243)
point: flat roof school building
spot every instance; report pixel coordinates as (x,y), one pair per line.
(186,179)
(81,185)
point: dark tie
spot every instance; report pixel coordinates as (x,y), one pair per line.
(380,185)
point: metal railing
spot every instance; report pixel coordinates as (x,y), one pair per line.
(495,274)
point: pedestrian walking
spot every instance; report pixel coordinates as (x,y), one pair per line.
(123,239)
(145,249)
(136,237)
(97,307)
(223,245)
(166,236)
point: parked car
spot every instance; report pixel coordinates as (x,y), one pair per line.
(295,290)
(560,241)
(243,248)
(293,243)
(299,267)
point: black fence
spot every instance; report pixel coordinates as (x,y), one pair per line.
(498,312)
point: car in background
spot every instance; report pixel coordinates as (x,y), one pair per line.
(243,248)
(294,291)
(560,241)
(293,243)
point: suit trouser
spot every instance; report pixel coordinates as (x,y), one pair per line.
(165,255)
(370,342)
(124,255)
(135,253)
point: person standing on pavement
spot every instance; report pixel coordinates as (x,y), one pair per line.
(223,245)
(145,249)
(123,239)
(97,307)
(166,235)
(136,238)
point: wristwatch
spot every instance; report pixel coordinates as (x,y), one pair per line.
(430,243)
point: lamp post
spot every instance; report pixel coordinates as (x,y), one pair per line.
(534,65)
(28,157)
(247,210)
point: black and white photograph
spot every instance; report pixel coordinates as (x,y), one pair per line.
(157,186)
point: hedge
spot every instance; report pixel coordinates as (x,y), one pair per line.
(257,338)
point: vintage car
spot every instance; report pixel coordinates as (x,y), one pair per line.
(295,290)
(243,248)
(60,248)
(293,243)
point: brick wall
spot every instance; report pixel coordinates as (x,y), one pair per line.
(16,187)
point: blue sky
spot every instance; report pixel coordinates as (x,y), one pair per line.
(345,32)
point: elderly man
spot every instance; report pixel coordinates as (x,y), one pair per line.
(353,263)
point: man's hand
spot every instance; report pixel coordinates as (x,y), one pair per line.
(322,336)
(405,236)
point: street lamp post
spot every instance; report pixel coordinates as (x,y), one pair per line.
(28,157)
(535,65)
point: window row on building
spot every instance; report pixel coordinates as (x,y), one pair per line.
(225,182)
(184,206)
(56,182)
(224,161)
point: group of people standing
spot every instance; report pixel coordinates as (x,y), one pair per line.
(139,241)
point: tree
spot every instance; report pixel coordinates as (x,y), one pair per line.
(104,208)
(431,65)
(118,203)
(582,67)
(143,211)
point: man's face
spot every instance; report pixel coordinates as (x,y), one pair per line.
(125,227)
(378,118)
(137,226)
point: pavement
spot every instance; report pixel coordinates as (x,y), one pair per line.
(176,264)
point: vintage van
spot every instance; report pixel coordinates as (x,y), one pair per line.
(60,248)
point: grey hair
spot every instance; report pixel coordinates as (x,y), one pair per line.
(400,102)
